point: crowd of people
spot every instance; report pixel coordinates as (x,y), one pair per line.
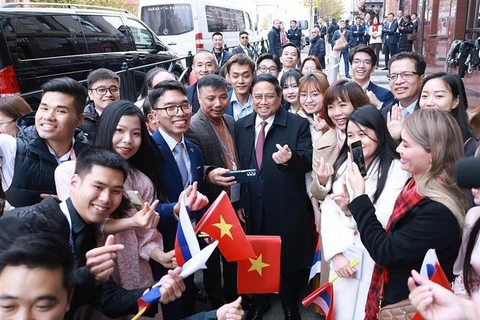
(92,184)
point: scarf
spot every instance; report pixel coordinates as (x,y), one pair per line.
(375,29)
(407,199)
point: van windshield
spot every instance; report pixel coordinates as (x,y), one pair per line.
(168,19)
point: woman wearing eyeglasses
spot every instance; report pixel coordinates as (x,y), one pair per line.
(103,88)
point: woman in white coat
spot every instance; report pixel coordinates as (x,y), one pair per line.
(340,237)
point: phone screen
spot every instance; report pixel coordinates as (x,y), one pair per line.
(357,153)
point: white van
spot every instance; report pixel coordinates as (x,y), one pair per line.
(188,25)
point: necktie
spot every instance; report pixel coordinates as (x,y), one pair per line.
(260,142)
(182,167)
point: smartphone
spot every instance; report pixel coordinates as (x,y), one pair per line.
(358,158)
(135,198)
(243,176)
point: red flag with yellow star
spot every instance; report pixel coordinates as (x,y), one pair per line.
(221,223)
(262,273)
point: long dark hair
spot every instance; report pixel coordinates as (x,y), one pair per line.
(368,116)
(467,267)
(455,83)
(147,159)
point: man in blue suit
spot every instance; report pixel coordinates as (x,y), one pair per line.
(390,45)
(183,167)
(363,61)
(358,32)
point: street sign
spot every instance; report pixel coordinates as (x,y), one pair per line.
(310,3)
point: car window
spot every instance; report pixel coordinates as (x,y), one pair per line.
(221,19)
(142,37)
(105,34)
(48,36)
(168,19)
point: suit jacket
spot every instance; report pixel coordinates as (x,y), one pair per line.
(172,180)
(278,203)
(251,53)
(390,32)
(193,97)
(382,94)
(428,225)
(348,38)
(202,133)
(225,56)
(357,33)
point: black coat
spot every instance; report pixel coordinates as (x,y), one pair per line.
(274,42)
(428,225)
(280,195)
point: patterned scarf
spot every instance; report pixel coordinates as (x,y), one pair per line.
(408,198)
(375,29)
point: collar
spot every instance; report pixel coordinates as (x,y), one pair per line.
(98,111)
(66,156)
(410,108)
(244,47)
(171,142)
(259,120)
(365,87)
(235,99)
(74,219)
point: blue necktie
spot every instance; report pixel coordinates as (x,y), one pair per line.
(182,167)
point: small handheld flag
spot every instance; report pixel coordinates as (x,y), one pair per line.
(197,262)
(186,244)
(317,261)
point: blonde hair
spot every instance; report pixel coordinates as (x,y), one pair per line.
(438,133)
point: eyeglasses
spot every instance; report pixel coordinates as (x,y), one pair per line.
(366,63)
(406,75)
(2,123)
(102,90)
(172,110)
(314,96)
(264,69)
(268,97)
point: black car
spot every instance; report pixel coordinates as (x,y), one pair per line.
(40,42)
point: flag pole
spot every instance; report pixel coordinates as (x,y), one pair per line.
(352,264)
(139,314)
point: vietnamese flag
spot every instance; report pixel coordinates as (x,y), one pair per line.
(262,273)
(221,223)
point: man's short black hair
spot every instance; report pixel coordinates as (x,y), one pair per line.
(266,77)
(69,87)
(212,80)
(268,56)
(41,250)
(101,157)
(164,86)
(217,34)
(293,21)
(291,44)
(363,48)
(242,33)
(420,64)
(101,74)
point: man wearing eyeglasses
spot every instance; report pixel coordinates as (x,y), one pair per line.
(103,88)
(183,167)
(363,60)
(278,144)
(406,71)
(267,63)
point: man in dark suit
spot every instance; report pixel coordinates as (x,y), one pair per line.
(204,63)
(213,131)
(278,144)
(363,61)
(274,41)
(244,46)
(358,32)
(391,45)
(183,167)
(406,73)
(221,55)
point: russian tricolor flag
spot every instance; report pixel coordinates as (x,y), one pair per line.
(432,270)
(323,298)
(186,244)
(317,261)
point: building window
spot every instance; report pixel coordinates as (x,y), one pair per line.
(473,19)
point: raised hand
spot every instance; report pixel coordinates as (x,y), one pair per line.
(101,260)
(395,122)
(355,179)
(319,124)
(172,286)
(231,311)
(324,170)
(341,43)
(342,199)
(147,217)
(283,155)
